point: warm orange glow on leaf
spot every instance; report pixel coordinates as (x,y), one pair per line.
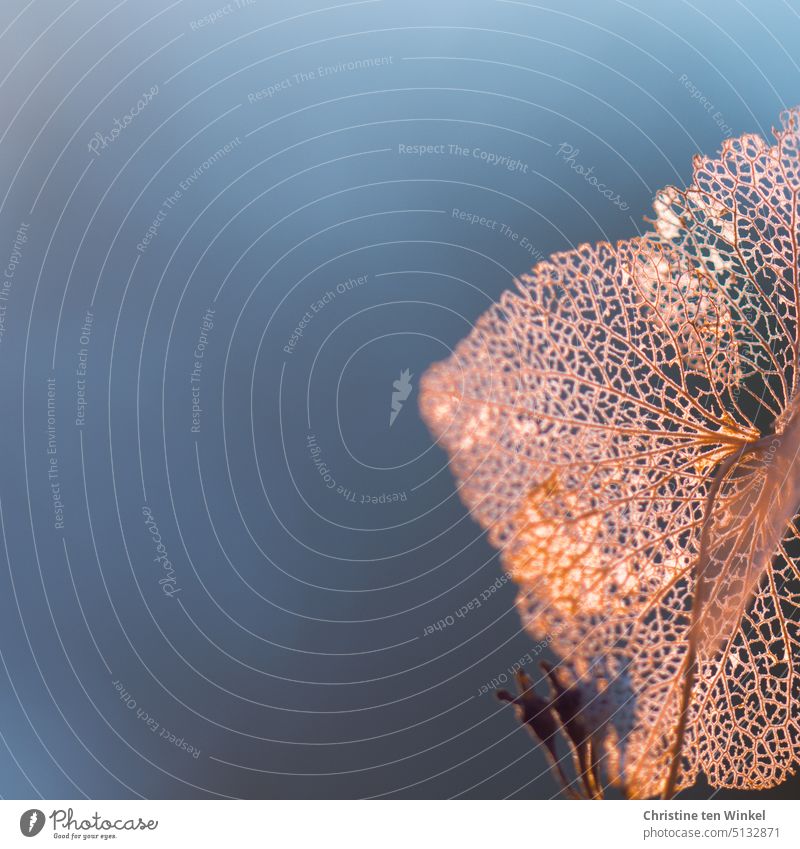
(626,425)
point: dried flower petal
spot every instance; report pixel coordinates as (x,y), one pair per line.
(625,425)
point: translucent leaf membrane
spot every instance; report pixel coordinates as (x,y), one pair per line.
(624,424)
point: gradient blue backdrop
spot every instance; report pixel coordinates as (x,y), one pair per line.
(292,652)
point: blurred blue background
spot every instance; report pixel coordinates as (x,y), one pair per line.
(222,245)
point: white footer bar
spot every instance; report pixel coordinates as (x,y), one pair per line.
(400,824)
